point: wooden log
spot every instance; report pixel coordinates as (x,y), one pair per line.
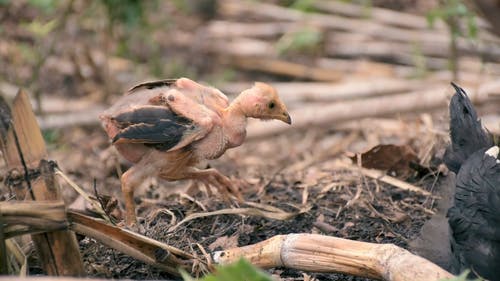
(24,149)
(331,114)
(255,54)
(302,92)
(286,68)
(32,217)
(318,253)
(77,118)
(381,15)
(489,9)
(51,104)
(235,9)
(434,55)
(219,29)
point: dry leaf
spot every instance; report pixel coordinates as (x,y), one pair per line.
(394,159)
(225,242)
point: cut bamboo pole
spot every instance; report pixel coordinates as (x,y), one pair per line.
(275,12)
(333,22)
(382,15)
(286,68)
(299,92)
(32,217)
(331,114)
(318,253)
(24,149)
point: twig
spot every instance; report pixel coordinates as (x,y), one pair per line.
(277,215)
(85,196)
(381,176)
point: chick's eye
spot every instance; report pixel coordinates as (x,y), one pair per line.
(271,105)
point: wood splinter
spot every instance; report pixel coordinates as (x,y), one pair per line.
(318,253)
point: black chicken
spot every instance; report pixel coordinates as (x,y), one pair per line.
(474,218)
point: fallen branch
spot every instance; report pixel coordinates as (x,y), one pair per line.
(381,15)
(300,92)
(317,253)
(333,22)
(331,114)
(286,68)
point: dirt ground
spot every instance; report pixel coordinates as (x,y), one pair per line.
(288,172)
(302,172)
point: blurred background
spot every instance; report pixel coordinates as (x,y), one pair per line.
(354,74)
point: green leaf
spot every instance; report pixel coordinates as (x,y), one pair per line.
(472,26)
(303,5)
(461,277)
(40,29)
(432,15)
(45,5)
(304,40)
(240,270)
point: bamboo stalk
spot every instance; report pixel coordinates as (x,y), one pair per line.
(275,12)
(382,15)
(23,149)
(329,115)
(333,22)
(317,253)
(32,217)
(282,67)
(300,92)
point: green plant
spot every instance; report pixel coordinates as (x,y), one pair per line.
(240,270)
(454,13)
(46,6)
(305,40)
(462,277)
(130,12)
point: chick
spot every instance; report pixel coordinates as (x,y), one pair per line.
(166,127)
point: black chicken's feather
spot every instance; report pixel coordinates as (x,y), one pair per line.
(474,218)
(466,131)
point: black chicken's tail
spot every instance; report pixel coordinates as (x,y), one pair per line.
(466,131)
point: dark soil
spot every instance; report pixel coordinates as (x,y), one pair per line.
(380,214)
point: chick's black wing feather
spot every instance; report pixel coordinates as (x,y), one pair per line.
(466,131)
(154,126)
(153,84)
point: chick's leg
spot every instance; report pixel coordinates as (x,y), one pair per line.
(209,177)
(130,180)
(212,177)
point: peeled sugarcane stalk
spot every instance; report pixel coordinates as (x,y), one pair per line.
(318,253)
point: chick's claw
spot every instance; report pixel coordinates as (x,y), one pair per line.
(224,186)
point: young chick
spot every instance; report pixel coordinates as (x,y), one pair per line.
(166,127)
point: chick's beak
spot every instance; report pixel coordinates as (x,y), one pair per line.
(285,117)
